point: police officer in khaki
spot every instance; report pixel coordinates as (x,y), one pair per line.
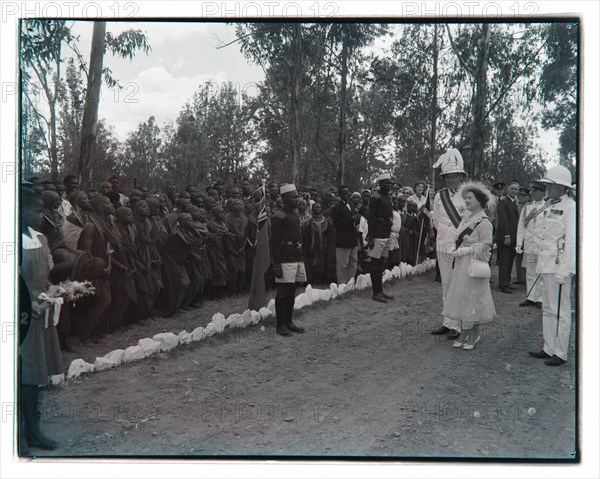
(556,265)
(379,242)
(287,261)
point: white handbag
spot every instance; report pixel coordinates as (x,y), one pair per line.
(479,269)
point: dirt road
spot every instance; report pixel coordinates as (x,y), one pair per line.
(366,379)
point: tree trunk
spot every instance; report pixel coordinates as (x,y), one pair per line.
(92,101)
(341,176)
(52,105)
(295,85)
(479,122)
(434,105)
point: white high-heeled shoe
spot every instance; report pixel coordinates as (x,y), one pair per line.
(458,343)
(470,346)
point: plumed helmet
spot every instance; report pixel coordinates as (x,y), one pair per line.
(451,162)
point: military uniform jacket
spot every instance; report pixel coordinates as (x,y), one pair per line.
(286,237)
(446,232)
(530,236)
(557,244)
(380,215)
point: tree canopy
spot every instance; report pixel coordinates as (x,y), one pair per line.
(340,102)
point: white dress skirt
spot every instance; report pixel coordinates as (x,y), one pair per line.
(469,300)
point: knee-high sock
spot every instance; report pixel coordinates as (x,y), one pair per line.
(290,300)
(280,304)
(377,275)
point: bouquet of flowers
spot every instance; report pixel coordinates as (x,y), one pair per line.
(70,291)
(57,294)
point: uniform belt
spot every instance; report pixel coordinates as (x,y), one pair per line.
(383,218)
(292,243)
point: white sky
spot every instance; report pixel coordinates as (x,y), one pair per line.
(183,56)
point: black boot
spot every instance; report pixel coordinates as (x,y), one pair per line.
(290,301)
(280,313)
(294,328)
(290,312)
(34,436)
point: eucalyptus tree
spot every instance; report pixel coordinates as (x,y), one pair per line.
(142,156)
(278,48)
(501,61)
(558,85)
(44,45)
(124,45)
(41,45)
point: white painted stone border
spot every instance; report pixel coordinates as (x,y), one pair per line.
(168,341)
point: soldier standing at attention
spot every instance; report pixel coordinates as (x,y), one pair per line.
(287,261)
(556,265)
(379,242)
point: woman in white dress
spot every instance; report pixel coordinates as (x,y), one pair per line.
(420,196)
(423,217)
(469,298)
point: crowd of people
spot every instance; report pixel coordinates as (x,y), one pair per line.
(158,253)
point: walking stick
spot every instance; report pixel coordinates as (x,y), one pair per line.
(560,248)
(533,285)
(427,202)
(558,312)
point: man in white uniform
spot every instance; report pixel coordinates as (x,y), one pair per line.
(529,236)
(556,265)
(448,210)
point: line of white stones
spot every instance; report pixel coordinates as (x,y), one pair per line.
(168,341)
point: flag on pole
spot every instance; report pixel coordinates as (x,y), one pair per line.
(428,208)
(428,200)
(262,258)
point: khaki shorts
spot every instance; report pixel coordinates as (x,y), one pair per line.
(381,248)
(292,273)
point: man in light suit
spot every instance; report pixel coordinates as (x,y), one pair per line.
(345,219)
(507,214)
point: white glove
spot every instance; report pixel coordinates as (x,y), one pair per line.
(462,251)
(55,304)
(561,278)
